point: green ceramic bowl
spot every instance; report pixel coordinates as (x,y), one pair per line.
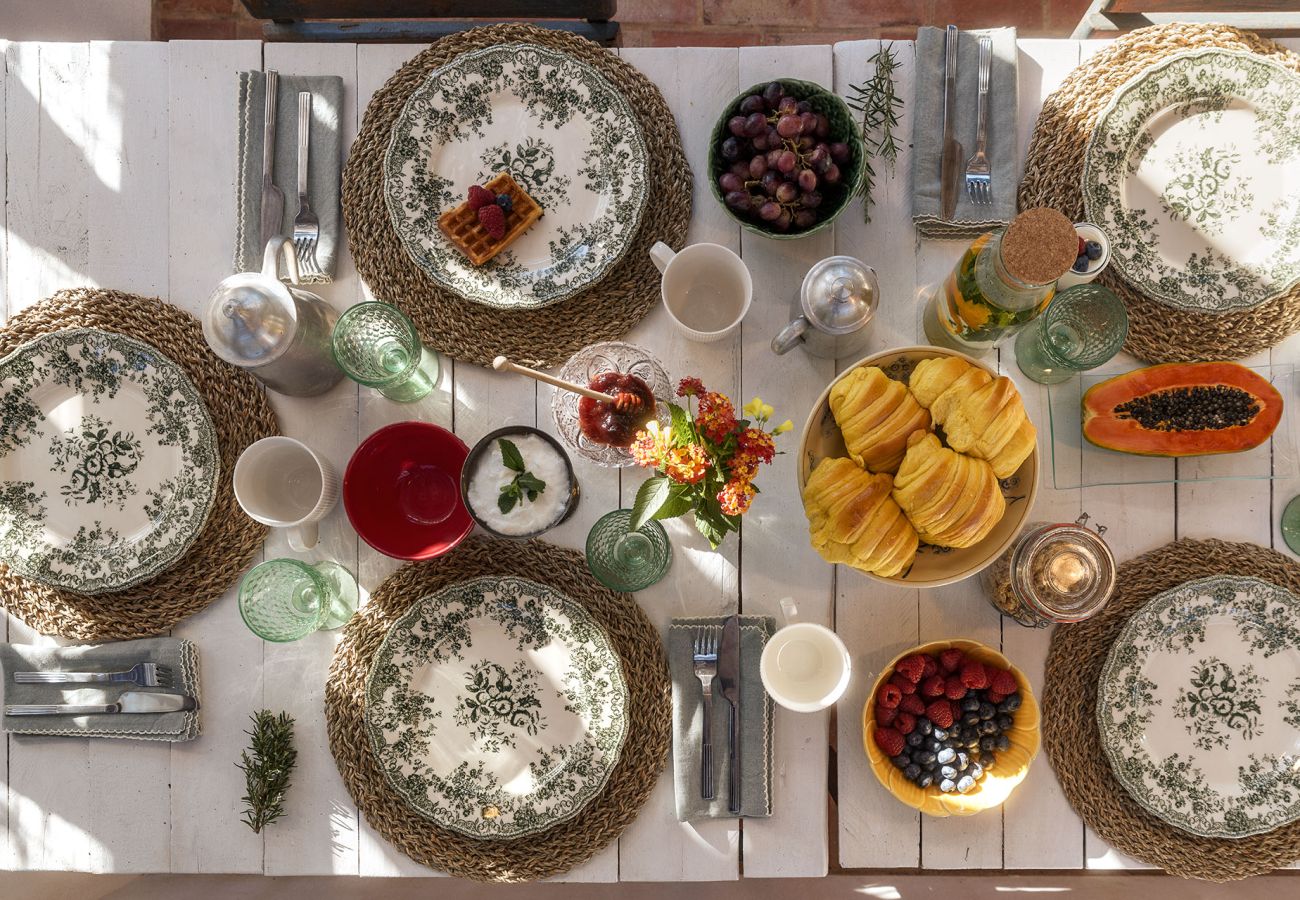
(844,127)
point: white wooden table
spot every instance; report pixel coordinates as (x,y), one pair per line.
(120,172)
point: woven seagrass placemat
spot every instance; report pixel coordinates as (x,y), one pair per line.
(225,547)
(1073,740)
(645,748)
(540,337)
(1054,173)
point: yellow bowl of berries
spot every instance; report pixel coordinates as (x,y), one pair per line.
(951,727)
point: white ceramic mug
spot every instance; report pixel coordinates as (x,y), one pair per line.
(284,483)
(805,667)
(706,289)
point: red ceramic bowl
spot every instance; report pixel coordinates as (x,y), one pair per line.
(402,491)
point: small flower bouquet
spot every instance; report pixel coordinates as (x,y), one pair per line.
(706,463)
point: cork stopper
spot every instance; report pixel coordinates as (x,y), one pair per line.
(1039,246)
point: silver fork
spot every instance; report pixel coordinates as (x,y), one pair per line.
(142,674)
(979,183)
(306,226)
(705,657)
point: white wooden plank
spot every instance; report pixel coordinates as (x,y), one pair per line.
(793,842)
(697,83)
(4,317)
(876,621)
(207,834)
(51,825)
(127,218)
(319,837)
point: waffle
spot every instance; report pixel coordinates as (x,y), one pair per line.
(460,224)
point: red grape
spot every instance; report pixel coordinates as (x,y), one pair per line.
(832,174)
(769,211)
(729,182)
(738,200)
(771,181)
(807,180)
(752,104)
(755,124)
(804,218)
(840,152)
(803,106)
(736,125)
(773,93)
(809,121)
(757,166)
(823,127)
(730,149)
(740,167)
(810,199)
(782,220)
(787,106)
(786,161)
(786,193)
(790,126)
(760,143)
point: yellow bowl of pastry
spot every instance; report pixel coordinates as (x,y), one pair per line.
(918,466)
(995,785)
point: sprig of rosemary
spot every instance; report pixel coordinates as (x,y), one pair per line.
(525,484)
(879,107)
(267,771)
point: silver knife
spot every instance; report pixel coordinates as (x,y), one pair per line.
(128,702)
(272,196)
(950,166)
(729,681)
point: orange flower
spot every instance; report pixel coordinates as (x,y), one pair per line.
(757,443)
(736,496)
(687,464)
(649,446)
(717,417)
(690,387)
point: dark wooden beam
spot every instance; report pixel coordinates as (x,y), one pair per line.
(284,10)
(415,32)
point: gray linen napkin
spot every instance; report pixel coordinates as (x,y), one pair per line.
(323,164)
(688,719)
(116,656)
(969,219)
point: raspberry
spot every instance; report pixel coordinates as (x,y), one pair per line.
(905,723)
(902,684)
(931,667)
(493,220)
(889,696)
(940,713)
(973,674)
(885,716)
(1003,682)
(890,741)
(913,704)
(950,659)
(480,196)
(954,689)
(911,667)
(994,697)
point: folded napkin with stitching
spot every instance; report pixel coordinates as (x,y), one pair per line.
(324,157)
(118,656)
(969,219)
(688,724)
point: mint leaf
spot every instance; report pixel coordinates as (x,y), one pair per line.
(530,482)
(509,497)
(649,498)
(510,455)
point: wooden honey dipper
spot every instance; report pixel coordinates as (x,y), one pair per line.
(624,401)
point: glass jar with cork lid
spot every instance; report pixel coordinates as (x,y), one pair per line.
(1003,280)
(1054,573)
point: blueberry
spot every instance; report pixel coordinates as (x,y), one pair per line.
(925,757)
(1003,743)
(970,703)
(934,745)
(924,726)
(987,761)
(970,719)
(962,760)
(902,760)
(988,743)
(1092,250)
(988,728)
(1004,721)
(966,785)
(1010,704)
(949,772)
(975,771)
(925,780)
(912,772)
(915,739)
(1080,264)
(987,711)
(940,734)
(947,786)
(946,755)
(504,201)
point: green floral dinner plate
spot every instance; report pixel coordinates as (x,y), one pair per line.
(1199,707)
(108,461)
(560,129)
(496,707)
(1192,172)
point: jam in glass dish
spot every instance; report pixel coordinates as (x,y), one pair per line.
(601,432)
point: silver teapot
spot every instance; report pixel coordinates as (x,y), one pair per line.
(835,304)
(279,333)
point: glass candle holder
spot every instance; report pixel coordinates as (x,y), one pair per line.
(1083,327)
(375,344)
(627,560)
(283,599)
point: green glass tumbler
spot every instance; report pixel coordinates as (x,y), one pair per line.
(1083,327)
(283,599)
(375,344)
(1291,524)
(627,560)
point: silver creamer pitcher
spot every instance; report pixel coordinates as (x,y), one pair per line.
(280,333)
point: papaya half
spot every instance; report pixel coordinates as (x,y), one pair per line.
(1182,409)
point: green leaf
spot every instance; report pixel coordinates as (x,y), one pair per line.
(709,528)
(681,500)
(683,427)
(511,458)
(530,482)
(509,497)
(649,497)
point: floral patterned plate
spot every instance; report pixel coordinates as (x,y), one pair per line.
(1192,172)
(560,129)
(496,707)
(1199,707)
(108,461)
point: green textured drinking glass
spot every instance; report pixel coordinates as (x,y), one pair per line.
(1291,524)
(283,599)
(375,344)
(1083,327)
(627,560)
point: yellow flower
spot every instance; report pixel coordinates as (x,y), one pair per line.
(785,426)
(650,445)
(758,410)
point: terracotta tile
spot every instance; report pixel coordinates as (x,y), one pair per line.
(899,33)
(759,12)
(198,9)
(1026,15)
(170,29)
(878,13)
(664,12)
(859,33)
(704,37)
(1063,15)
(249,29)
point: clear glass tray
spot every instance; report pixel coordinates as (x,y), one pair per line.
(1077,463)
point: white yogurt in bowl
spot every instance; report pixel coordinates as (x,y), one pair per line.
(487,475)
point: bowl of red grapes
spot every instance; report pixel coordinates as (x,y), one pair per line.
(786,158)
